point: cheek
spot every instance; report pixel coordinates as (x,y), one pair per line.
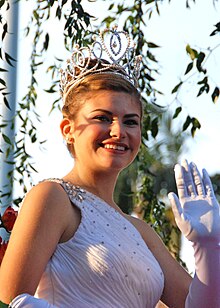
(138,143)
(136,140)
(137,136)
(92,134)
(97,131)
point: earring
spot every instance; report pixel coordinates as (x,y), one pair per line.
(69,140)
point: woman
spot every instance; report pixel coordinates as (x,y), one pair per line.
(72,246)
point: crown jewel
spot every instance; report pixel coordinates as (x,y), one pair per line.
(113,52)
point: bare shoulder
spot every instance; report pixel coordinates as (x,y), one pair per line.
(42,200)
(45,192)
(49,202)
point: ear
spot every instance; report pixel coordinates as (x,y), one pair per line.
(66,127)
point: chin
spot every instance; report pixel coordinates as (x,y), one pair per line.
(108,164)
(117,166)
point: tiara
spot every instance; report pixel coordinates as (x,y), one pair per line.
(114,54)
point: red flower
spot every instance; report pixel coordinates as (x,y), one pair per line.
(8,218)
(3,246)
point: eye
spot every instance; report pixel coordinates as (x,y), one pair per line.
(102,118)
(131,122)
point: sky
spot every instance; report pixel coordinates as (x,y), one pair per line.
(172,30)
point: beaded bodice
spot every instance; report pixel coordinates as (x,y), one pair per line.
(105,264)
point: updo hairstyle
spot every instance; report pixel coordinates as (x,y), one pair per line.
(76,94)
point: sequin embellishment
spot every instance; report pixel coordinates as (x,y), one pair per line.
(72,190)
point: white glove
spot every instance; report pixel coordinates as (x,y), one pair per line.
(27,301)
(197,215)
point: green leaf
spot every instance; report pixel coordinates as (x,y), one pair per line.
(33,138)
(2,2)
(3,70)
(191,52)
(111,7)
(51,89)
(175,89)
(151,56)
(215,94)
(2,82)
(121,9)
(154,127)
(189,67)
(6,103)
(187,123)
(195,125)
(152,45)
(36,15)
(37,64)
(216,30)
(5,30)
(6,139)
(108,20)
(201,57)
(149,77)
(59,12)
(51,2)
(177,112)
(64,2)
(10,162)
(31,166)
(202,89)
(9,58)
(46,42)
(203,81)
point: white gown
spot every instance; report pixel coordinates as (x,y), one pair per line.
(105,264)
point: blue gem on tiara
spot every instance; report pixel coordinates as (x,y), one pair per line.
(114,53)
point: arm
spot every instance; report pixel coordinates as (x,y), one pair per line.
(198,217)
(40,225)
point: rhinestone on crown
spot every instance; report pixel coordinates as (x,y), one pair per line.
(115,47)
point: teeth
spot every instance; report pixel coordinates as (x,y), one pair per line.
(114,147)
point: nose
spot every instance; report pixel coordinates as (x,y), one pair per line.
(117,130)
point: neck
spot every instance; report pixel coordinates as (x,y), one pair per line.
(102,184)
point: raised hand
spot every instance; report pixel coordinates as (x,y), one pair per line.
(196,211)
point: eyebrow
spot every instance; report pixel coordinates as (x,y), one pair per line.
(128,115)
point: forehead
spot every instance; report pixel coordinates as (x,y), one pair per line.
(116,102)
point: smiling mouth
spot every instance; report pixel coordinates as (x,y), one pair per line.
(115,147)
